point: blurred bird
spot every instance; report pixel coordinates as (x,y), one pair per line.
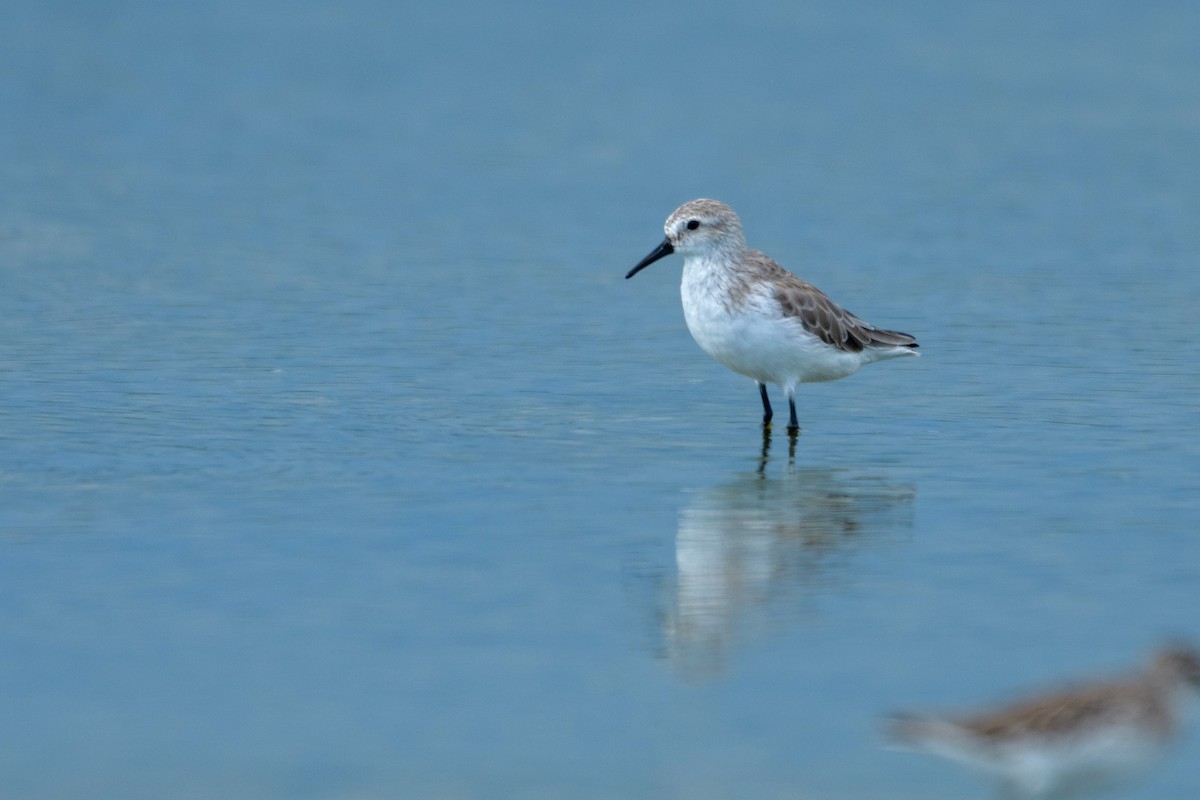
(1058,745)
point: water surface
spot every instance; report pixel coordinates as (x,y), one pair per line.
(338,460)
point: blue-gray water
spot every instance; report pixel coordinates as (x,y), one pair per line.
(338,460)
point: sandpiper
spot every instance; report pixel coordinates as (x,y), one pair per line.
(758,319)
(1065,743)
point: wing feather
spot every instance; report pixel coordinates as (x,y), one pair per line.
(821,316)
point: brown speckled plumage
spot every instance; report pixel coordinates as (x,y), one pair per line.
(1052,744)
(796,297)
(821,316)
(1068,710)
(758,319)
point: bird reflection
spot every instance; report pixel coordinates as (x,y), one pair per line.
(751,553)
(792,435)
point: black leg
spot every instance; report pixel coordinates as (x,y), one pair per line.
(793,425)
(767,412)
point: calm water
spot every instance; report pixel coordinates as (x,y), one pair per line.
(337,459)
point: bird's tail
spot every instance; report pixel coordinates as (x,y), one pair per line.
(912,730)
(936,736)
(881,338)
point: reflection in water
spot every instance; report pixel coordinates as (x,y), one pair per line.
(1064,744)
(748,552)
(766,449)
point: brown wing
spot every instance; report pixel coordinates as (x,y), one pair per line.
(826,319)
(1048,715)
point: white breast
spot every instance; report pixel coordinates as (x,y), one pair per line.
(745,329)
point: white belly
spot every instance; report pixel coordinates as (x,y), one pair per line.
(756,340)
(1088,762)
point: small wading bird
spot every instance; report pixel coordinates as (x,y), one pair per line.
(758,319)
(1061,744)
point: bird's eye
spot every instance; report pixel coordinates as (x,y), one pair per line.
(693,224)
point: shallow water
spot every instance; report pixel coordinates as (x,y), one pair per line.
(338,460)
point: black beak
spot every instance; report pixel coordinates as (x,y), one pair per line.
(664,249)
